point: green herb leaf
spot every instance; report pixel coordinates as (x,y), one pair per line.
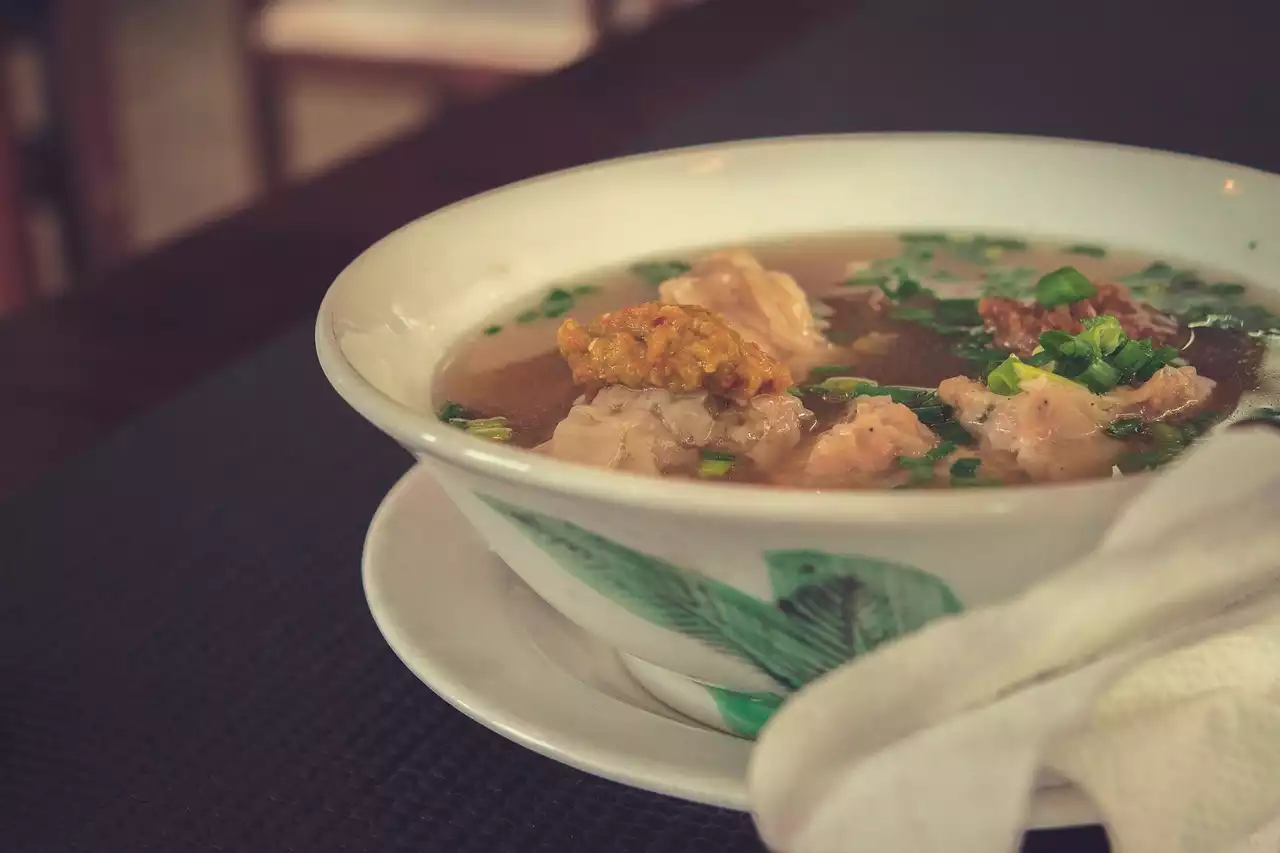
(1086,249)
(492,330)
(965,468)
(584,289)
(656,272)
(1063,287)
(958,312)
(528,316)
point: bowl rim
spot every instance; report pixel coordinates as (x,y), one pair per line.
(426,434)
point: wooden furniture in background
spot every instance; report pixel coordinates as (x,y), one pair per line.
(59,157)
(459,50)
(71,369)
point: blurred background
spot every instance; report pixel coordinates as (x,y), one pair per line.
(124,123)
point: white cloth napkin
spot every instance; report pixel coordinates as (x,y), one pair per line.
(1147,674)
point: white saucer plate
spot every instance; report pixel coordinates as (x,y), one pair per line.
(462,622)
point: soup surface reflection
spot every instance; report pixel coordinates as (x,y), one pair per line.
(873,361)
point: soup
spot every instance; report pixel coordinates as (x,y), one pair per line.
(872,361)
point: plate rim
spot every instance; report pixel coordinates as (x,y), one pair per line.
(705,782)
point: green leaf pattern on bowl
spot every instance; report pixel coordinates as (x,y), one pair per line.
(744,714)
(828,608)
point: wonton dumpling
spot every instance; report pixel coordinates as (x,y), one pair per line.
(1052,426)
(767,308)
(654,431)
(863,450)
(1055,428)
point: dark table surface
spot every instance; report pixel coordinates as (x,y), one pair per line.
(188,663)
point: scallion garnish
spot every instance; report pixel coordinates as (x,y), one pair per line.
(908,288)
(1086,249)
(1099,358)
(457,415)
(1167,442)
(492,330)
(1099,377)
(715,463)
(1062,287)
(920,468)
(915,315)
(966,468)
(949,430)
(830,370)
(656,272)
(1124,427)
(494,429)
(1004,379)
(528,316)
(452,411)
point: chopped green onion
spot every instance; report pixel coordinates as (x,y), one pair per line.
(795,391)
(866,278)
(1131,358)
(915,315)
(949,430)
(492,330)
(584,289)
(1157,269)
(656,272)
(923,237)
(1086,249)
(528,316)
(494,429)
(557,303)
(966,468)
(943,449)
(1226,288)
(907,288)
(920,468)
(1160,358)
(829,370)
(1063,287)
(1004,379)
(1104,333)
(1124,427)
(715,463)
(930,415)
(1098,377)
(452,411)
(1008,244)
(958,312)
(1042,358)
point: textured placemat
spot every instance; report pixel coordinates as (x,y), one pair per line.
(186,660)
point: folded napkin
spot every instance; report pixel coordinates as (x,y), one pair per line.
(1147,675)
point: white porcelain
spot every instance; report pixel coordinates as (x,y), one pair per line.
(476,635)
(757,590)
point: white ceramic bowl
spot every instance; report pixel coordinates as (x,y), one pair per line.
(752,591)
